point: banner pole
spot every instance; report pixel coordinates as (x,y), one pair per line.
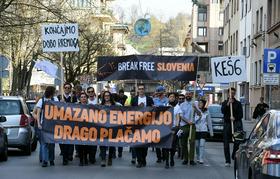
(231,114)
(193,101)
(61,75)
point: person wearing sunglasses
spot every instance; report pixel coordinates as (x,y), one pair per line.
(67,150)
(91,96)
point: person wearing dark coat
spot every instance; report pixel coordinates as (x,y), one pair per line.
(141,100)
(237,122)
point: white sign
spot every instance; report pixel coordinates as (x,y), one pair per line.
(60,38)
(271,79)
(228,69)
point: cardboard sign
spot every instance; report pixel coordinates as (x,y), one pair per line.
(60,38)
(228,69)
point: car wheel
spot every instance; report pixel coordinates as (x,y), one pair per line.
(4,155)
(27,149)
(34,144)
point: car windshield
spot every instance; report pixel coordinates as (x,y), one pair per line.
(215,111)
(31,106)
(10,107)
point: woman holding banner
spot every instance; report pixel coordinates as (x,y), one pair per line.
(177,115)
(83,150)
(107,100)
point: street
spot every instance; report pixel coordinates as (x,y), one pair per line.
(19,166)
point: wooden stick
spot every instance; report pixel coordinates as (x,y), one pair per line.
(231,114)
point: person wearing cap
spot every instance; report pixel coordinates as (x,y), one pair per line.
(160,100)
(187,125)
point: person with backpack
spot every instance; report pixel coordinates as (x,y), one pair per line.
(203,125)
(46,149)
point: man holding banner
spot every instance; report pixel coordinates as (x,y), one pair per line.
(237,123)
(143,101)
(226,70)
(188,127)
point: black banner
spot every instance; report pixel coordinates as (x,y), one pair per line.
(147,67)
(107,126)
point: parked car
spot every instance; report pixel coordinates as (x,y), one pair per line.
(19,131)
(258,156)
(3,140)
(31,104)
(217,120)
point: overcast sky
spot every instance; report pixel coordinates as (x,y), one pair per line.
(163,9)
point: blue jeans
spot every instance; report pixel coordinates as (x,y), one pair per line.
(46,150)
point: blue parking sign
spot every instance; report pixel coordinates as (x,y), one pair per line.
(271,61)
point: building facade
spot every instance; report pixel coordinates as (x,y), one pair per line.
(265,34)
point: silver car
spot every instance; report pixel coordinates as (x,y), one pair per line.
(19,131)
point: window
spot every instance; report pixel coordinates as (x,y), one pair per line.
(236,46)
(215,1)
(248,47)
(221,31)
(203,45)
(261,18)
(259,71)
(257,21)
(202,16)
(233,43)
(220,45)
(261,128)
(10,107)
(202,31)
(82,3)
(256,73)
(242,9)
(221,16)
(202,13)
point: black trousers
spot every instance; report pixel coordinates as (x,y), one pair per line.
(159,154)
(67,151)
(171,152)
(92,152)
(141,154)
(228,138)
(103,149)
(83,151)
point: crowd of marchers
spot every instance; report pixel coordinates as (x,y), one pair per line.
(191,126)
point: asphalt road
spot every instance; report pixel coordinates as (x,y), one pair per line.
(19,166)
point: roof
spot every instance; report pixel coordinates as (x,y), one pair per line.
(11,98)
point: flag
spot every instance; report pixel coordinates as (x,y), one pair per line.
(46,67)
